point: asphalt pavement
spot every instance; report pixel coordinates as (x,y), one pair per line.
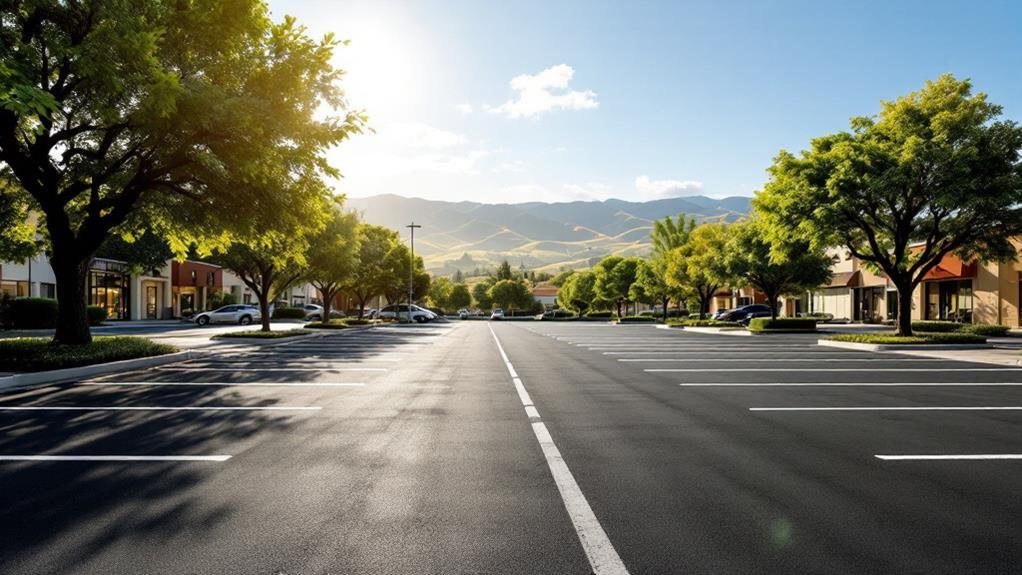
(489,447)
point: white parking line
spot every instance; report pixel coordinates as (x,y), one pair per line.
(158,408)
(603,558)
(977,456)
(851,384)
(870,369)
(119,458)
(906,408)
(225,383)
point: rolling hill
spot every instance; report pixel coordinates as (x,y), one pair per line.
(542,236)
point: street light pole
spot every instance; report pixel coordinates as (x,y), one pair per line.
(411,269)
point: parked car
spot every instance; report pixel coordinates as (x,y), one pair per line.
(241,313)
(462,313)
(400,311)
(497,314)
(740,314)
(314,312)
(719,315)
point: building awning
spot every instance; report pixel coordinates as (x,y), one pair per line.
(951,267)
(845,279)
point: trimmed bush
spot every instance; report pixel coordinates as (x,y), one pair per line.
(937,326)
(987,329)
(818,315)
(332,324)
(40,354)
(761,324)
(354,321)
(637,319)
(702,323)
(929,338)
(97,314)
(32,313)
(288,313)
(599,314)
(259,334)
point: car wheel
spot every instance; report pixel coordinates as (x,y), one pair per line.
(421,319)
(245,320)
(202,320)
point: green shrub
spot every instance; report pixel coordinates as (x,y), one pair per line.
(637,319)
(32,313)
(818,315)
(354,321)
(599,314)
(937,326)
(40,354)
(782,324)
(259,334)
(927,338)
(288,313)
(97,314)
(702,323)
(332,324)
(986,329)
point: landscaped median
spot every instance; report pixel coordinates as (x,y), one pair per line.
(259,334)
(28,354)
(707,326)
(338,324)
(884,341)
(782,325)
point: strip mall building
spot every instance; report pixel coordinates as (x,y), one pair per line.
(971,292)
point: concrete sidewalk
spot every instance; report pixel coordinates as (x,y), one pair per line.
(995,356)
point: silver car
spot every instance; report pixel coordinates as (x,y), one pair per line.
(243,314)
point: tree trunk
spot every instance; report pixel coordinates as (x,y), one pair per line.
(904,310)
(772,301)
(264,300)
(704,306)
(328,296)
(617,304)
(666,301)
(72,313)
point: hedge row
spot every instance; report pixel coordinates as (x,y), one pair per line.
(259,334)
(702,323)
(925,338)
(985,329)
(40,354)
(782,324)
(637,319)
(39,313)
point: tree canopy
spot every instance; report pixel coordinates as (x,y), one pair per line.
(162,115)
(614,277)
(331,256)
(936,172)
(699,264)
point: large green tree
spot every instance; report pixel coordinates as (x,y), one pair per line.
(370,276)
(17,234)
(440,293)
(331,257)
(192,119)
(461,298)
(578,292)
(614,277)
(699,265)
(755,258)
(396,272)
(511,294)
(481,294)
(937,172)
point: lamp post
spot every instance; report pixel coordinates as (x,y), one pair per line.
(411,269)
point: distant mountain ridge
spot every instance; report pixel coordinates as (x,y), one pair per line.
(550,236)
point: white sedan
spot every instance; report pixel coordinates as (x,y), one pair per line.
(243,314)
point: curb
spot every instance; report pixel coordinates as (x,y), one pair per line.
(71,373)
(901,346)
(737,331)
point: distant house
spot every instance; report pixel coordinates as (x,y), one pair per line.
(546,294)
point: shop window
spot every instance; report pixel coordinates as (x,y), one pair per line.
(949,300)
(14,288)
(48,290)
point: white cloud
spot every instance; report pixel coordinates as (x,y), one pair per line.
(586,192)
(659,189)
(465,108)
(544,92)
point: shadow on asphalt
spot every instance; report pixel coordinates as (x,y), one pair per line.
(110,504)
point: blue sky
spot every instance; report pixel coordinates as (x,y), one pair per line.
(633,100)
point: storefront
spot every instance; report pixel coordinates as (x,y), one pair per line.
(109,287)
(949,300)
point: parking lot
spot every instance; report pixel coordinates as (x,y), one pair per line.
(497,447)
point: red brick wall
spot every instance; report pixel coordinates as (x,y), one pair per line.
(181,274)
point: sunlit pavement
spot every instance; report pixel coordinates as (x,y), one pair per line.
(479,447)
(185,335)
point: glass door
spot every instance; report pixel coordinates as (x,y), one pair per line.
(150,302)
